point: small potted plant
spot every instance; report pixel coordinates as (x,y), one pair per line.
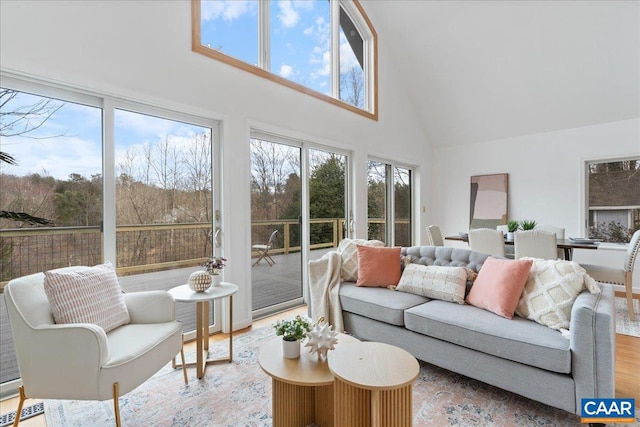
(526,224)
(214,266)
(512,227)
(292,332)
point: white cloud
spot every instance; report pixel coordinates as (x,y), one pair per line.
(286,71)
(288,16)
(228,9)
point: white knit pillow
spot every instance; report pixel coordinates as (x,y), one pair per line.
(93,296)
(349,253)
(551,290)
(436,282)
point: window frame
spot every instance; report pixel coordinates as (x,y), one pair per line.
(370,55)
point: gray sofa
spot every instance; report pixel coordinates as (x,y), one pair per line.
(517,355)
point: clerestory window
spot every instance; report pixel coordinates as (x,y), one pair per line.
(325,48)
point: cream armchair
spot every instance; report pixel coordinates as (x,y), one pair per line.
(80,361)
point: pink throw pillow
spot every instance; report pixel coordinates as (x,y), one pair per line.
(499,285)
(378,266)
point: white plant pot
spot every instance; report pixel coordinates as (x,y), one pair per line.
(509,235)
(291,349)
(215,280)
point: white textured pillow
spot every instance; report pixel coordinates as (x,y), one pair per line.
(551,289)
(349,253)
(436,282)
(93,296)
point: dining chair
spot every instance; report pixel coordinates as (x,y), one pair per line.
(434,236)
(617,276)
(535,244)
(558,231)
(508,249)
(487,241)
(263,249)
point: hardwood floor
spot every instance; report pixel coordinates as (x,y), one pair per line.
(627,366)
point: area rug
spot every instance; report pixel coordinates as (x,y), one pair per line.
(624,325)
(239,394)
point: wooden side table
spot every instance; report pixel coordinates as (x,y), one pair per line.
(202,299)
(302,388)
(373,385)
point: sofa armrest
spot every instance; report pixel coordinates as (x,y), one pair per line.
(150,306)
(593,344)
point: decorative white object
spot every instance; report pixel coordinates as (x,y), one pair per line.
(199,281)
(322,338)
(215,280)
(291,349)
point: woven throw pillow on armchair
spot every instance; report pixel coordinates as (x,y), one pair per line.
(348,250)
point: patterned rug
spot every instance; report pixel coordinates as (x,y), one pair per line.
(623,324)
(239,394)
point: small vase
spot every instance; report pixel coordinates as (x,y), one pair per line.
(291,349)
(199,281)
(215,280)
(509,235)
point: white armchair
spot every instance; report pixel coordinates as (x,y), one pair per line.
(80,361)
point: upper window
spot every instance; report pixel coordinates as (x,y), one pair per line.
(613,200)
(327,46)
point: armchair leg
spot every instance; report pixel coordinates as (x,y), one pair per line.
(116,405)
(16,421)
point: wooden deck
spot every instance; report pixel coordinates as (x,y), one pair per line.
(271,285)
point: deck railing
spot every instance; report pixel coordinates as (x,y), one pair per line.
(146,248)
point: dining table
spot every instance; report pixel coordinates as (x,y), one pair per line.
(567,245)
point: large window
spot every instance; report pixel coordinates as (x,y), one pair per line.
(325,48)
(389,203)
(613,199)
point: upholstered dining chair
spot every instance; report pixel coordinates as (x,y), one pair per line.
(434,236)
(623,276)
(263,249)
(80,361)
(536,244)
(558,231)
(487,241)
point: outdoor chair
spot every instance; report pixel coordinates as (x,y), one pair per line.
(616,276)
(263,250)
(535,244)
(434,236)
(487,241)
(80,361)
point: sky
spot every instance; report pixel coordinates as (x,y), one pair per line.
(300,37)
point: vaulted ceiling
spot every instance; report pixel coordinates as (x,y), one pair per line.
(484,70)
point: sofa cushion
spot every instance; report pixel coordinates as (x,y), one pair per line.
(443,283)
(551,290)
(347,248)
(518,339)
(378,266)
(380,304)
(499,285)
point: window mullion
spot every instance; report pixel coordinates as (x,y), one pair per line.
(335,49)
(264,41)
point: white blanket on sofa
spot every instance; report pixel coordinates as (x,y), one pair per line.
(324,288)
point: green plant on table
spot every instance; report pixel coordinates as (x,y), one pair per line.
(512,226)
(526,224)
(292,329)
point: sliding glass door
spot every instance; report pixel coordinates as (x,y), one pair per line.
(298,210)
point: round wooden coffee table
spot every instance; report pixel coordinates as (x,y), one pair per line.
(373,384)
(302,388)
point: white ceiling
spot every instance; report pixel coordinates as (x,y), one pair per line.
(485,70)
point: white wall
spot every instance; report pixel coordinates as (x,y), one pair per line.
(142,51)
(545,178)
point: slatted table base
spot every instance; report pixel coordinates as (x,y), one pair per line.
(358,407)
(296,405)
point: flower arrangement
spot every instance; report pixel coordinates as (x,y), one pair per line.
(214,264)
(293,329)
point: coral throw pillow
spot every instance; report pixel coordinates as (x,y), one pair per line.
(93,296)
(499,285)
(348,250)
(378,266)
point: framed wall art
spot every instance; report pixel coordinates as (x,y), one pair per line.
(488,203)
